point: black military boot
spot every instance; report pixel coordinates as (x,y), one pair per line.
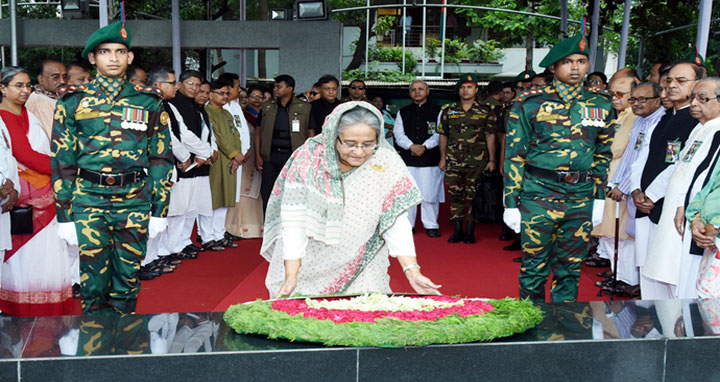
(470,233)
(457,236)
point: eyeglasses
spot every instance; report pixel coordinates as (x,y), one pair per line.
(222,94)
(680,80)
(192,84)
(640,99)
(702,99)
(353,146)
(355,87)
(257,96)
(617,94)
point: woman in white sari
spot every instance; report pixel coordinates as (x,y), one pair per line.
(338,210)
(35,277)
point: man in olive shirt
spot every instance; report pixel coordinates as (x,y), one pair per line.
(282,128)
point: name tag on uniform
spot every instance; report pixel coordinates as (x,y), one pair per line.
(90,115)
(672,152)
(135,119)
(295,126)
(691,151)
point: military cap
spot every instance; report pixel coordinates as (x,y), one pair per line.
(525,76)
(695,57)
(573,45)
(467,78)
(115,32)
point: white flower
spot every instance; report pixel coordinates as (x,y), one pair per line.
(374,302)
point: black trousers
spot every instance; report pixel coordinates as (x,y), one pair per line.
(270,172)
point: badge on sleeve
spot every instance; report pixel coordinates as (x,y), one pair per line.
(672,152)
(135,119)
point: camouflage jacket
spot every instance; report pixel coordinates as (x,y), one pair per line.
(94,132)
(466,129)
(545,132)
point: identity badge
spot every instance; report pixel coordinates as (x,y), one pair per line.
(295,125)
(691,151)
(431,127)
(639,141)
(672,152)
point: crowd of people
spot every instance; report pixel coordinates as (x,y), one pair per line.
(105,179)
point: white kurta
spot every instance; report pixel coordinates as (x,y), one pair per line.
(664,262)
(8,170)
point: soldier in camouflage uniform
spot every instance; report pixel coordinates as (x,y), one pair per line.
(467,148)
(558,154)
(111,167)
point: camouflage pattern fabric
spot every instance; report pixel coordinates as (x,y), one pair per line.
(117,334)
(110,126)
(546,132)
(466,154)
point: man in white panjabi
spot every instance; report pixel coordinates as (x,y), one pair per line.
(669,259)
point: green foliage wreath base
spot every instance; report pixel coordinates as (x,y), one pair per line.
(509,317)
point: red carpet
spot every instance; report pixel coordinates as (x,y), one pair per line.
(216,280)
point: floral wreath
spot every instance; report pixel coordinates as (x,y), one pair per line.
(384,320)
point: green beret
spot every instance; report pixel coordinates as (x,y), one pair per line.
(695,57)
(573,45)
(525,76)
(115,32)
(466,79)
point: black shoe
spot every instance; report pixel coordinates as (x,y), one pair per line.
(144,274)
(507,234)
(413,230)
(515,246)
(232,237)
(470,233)
(213,245)
(199,239)
(433,232)
(194,248)
(76,290)
(518,259)
(457,235)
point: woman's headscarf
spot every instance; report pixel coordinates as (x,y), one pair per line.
(308,192)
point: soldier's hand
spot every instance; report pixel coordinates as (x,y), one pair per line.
(679,220)
(442,164)
(12,199)
(615,194)
(490,166)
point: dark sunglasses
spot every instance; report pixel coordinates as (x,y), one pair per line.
(355,87)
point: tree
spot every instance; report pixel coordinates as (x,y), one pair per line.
(356,18)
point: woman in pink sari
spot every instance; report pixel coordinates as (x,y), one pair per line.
(35,278)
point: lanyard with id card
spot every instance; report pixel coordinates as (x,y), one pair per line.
(295,124)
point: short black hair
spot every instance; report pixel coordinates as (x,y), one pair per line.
(80,65)
(131,71)
(219,84)
(256,87)
(699,72)
(315,85)
(327,78)
(229,78)
(602,76)
(655,87)
(494,87)
(287,79)
(159,74)
(508,85)
(358,80)
(190,73)
(41,65)
(205,82)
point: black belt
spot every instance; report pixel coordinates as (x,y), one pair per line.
(281,149)
(572,177)
(112,179)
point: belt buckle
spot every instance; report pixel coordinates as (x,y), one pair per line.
(571,177)
(109,179)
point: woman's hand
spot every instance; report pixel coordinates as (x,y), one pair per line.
(13,198)
(287,288)
(420,283)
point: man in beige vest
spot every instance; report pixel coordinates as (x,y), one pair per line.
(51,75)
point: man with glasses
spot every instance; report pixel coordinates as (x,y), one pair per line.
(558,154)
(467,149)
(322,107)
(416,140)
(283,124)
(51,76)
(356,91)
(666,143)
(673,258)
(111,169)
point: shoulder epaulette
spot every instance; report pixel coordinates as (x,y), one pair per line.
(70,89)
(602,92)
(529,94)
(149,90)
(445,106)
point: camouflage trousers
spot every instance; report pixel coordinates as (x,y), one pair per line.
(116,334)
(460,178)
(554,236)
(112,243)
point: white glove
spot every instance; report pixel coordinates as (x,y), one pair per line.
(598,211)
(156,226)
(511,217)
(67,232)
